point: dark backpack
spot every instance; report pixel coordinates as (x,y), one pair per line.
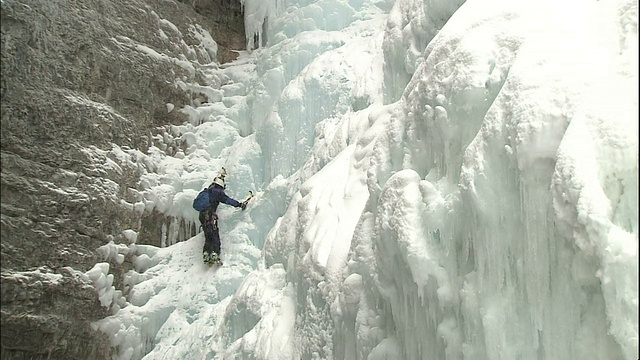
(202,201)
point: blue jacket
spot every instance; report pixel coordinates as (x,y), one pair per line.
(218,196)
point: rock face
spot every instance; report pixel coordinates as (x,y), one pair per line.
(78,79)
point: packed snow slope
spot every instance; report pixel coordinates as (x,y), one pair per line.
(435,179)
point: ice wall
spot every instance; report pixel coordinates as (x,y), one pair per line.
(511,264)
(306,75)
(434,180)
(500,216)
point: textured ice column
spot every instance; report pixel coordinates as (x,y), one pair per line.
(595,197)
(410,28)
(484,118)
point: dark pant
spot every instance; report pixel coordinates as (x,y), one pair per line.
(209,221)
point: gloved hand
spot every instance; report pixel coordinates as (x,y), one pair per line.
(243,205)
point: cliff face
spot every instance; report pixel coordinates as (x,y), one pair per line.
(77,78)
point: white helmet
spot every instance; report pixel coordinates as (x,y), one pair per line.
(219,181)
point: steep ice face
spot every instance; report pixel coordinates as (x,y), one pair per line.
(489,119)
(435,179)
(462,244)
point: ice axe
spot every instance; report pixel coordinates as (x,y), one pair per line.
(244,203)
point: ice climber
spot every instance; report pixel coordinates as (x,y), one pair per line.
(209,219)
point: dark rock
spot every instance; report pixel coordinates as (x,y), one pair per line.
(46,315)
(77,78)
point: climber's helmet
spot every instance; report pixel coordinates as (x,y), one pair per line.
(219,181)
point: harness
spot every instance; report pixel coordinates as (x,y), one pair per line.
(211,218)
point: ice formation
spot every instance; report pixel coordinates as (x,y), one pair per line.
(434,180)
